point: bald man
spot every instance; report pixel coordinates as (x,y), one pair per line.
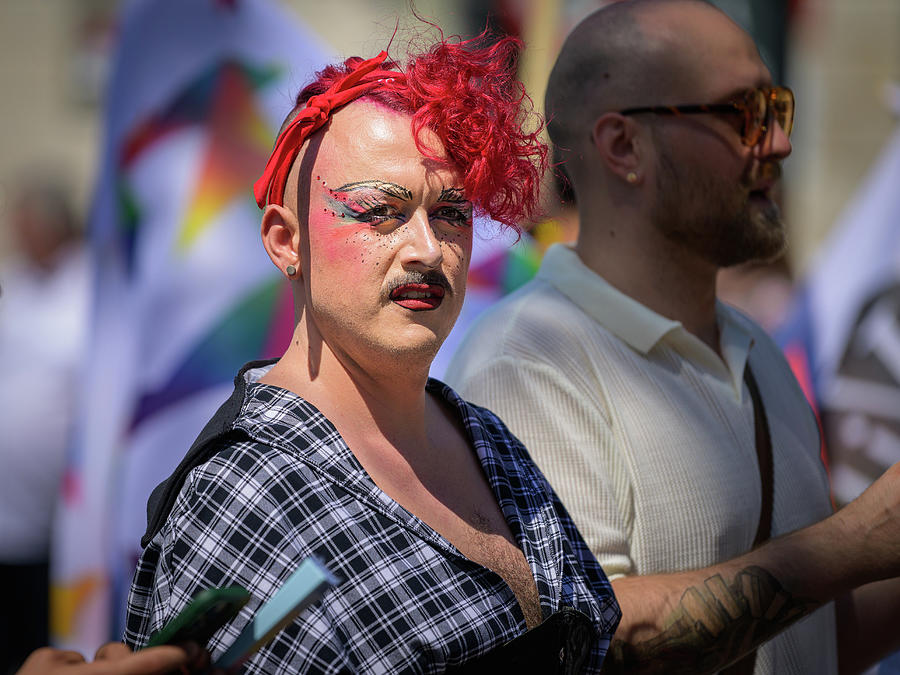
(653,408)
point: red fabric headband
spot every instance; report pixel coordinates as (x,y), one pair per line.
(365,77)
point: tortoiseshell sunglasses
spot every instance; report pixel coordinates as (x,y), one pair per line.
(757,106)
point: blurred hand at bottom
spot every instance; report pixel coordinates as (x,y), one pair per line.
(115,658)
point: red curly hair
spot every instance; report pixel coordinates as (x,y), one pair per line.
(467,93)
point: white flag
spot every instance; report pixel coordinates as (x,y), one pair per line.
(185,293)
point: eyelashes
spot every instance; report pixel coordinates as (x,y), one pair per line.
(461,216)
(362,209)
(375,208)
(378,213)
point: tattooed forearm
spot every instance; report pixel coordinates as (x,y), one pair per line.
(715,624)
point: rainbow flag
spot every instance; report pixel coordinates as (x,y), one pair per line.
(184,290)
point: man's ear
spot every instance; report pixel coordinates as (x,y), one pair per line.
(620,146)
(280,232)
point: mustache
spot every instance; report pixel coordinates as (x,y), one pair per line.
(770,171)
(431,277)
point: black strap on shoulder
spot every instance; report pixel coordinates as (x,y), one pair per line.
(746,665)
(764,457)
(220,428)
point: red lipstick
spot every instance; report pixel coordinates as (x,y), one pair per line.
(418,297)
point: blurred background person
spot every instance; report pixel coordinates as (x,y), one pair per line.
(43,322)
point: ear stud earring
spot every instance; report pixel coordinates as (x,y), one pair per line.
(631,177)
(290,270)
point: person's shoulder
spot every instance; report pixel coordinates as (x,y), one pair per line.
(271,461)
(531,323)
(231,461)
(241,480)
(516,307)
(267,436)
(238,453)
(285,421)
(238,442)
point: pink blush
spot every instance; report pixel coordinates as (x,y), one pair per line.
(343,248)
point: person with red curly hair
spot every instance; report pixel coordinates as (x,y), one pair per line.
(453,551)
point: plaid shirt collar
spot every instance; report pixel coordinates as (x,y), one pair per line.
(283,419)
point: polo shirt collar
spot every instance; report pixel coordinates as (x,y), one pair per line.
(638,326)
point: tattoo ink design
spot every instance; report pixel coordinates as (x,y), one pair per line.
(714,625)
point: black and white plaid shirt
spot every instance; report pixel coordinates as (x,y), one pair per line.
(409,601)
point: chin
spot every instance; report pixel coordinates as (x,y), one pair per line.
(422,342)
(761,240)
(409,343)
(767,232)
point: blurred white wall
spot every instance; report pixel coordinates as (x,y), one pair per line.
(44,121)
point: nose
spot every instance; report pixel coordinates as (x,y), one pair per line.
(775,144)
(422,247)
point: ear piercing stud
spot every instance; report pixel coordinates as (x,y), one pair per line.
(290,270)
(631,177)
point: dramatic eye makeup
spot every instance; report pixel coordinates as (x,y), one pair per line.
(453,207)
(370,201)
(373,202)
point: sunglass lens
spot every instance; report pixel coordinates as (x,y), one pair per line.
(783,108)
(756,111)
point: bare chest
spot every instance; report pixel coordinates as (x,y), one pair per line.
(498,552)
(478,529)
(442,483)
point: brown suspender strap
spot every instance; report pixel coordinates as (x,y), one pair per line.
(764,529)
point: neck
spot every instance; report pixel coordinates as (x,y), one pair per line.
(634,257)
(385,398)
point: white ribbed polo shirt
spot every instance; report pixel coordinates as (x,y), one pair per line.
(646,434)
